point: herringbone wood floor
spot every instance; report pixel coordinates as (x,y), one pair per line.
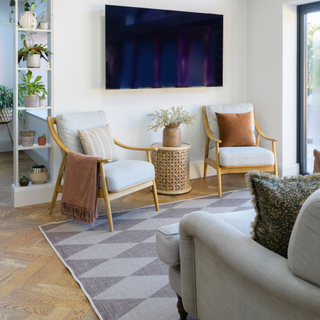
(34,284)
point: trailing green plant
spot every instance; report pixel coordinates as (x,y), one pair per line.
(172,116)
(6,98)
(36,87)
(35,49)
(27,133)
(43,136)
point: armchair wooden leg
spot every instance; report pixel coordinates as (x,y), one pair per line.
(219,182)
(58,183)
(155,195)
(106,198)
(205,169)
(183,314)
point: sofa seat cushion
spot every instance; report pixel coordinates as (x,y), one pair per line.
(167,237)
(277,202)
(125,173)
(243,156)
(68,125)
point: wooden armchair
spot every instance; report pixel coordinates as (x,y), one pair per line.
(235,159)
(69,140)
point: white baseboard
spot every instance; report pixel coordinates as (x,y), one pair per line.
(5,146)
(31,195)
(289,170)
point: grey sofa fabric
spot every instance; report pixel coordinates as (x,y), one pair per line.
(225,275)
(304,245)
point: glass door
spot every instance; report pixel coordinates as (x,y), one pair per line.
(309,84)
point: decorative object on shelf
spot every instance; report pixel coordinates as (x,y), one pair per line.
(27,137)
(42,140)
(171,120)
(24,181)
(31,89)
(27,52)
(28,20)
(43,24)
(42,101)
(48,65)
(38,174)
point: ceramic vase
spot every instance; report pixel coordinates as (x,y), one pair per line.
(30,102)
(28,20)
(27,141)
(38,175)
(172,136)
(33,61)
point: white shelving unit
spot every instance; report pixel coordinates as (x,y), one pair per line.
(32,194)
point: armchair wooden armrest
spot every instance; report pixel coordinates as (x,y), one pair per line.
(134,148)
(104,160)
(260,133)
(51,122)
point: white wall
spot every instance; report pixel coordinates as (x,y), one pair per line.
(6,67)
(79,73)
(272,74)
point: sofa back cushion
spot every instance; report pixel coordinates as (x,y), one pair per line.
(304,245)
(68,125)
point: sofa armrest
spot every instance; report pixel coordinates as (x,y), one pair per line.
(246,257)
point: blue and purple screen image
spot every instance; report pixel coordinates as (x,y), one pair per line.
(152,48)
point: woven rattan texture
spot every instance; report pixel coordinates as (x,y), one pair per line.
(172,170)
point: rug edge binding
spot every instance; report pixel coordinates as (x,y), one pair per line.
(72,273)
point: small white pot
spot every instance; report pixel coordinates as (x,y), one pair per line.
(42,103)
(30,102)
(44,25)
(33,61)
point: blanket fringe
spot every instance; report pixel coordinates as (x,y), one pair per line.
(78,213)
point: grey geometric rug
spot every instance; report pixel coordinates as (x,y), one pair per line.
(120,272)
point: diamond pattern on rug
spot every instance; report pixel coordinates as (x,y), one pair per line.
(120,272)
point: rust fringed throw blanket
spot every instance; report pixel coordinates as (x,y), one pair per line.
(80,188)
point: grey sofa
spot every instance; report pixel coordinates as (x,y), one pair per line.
(222,274)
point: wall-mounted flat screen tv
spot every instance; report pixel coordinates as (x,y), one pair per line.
(152,48)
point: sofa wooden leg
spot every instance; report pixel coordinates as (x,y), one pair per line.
(183,314)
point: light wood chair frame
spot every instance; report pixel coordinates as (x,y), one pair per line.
(234,169)
(102,193)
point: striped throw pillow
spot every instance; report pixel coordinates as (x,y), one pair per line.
(98,142)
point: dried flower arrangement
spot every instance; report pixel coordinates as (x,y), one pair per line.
(172,116)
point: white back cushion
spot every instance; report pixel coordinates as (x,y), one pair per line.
(68,124)
(232,108)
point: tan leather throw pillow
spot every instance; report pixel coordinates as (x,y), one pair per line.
(235,129)
(98,142)
(316,167)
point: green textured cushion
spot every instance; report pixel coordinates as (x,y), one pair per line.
(277,202)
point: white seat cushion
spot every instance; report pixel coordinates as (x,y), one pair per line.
(125,173)
(243,156)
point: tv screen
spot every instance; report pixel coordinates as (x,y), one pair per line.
(153,48)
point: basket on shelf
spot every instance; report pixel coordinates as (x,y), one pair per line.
(6,115)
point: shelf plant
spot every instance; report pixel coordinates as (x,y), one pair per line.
(31,89)
(28,51)
(42,140)
(27,137)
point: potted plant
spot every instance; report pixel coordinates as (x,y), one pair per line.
(27,137)
(38,174)
(32,54)
(24,181)
(6,104)
(42,100)
(171,120)
(43,23)
(42,140)
(31,89)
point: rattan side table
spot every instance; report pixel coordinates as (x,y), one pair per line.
(172,168)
